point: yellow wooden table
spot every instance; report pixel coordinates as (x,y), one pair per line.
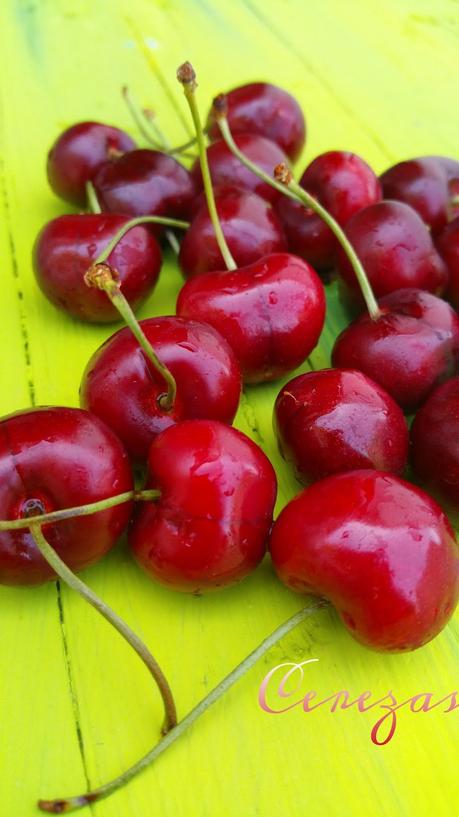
(377,78)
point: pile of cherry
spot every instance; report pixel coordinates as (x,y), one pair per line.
(255,252)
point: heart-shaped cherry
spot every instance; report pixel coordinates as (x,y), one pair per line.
(144,182)
(250,226)
(343,183)
(67,246)
(381,550)
(53,458)
(77,155)
(122,388)
(267,110)
(225,168)
(448,247)
(271,312)
(411,346)
(209,527)
(435,441)
(423,184)
(338,420)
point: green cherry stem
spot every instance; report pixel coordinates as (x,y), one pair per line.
(133,222)
(61,806)
(143,122)
(285,184)
(93,201)
(187,77)
(113,618)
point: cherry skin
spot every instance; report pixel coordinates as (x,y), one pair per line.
(423,184)
(55,458)
(121,387)
(265,109)
(225,168)
(144,183)
(448,247)
(77,155)
(408,350)
(210,526)
(435,438)
(250,226)
(271,312)
(450,166)
(339,420)
(67,246)
(395,249)
(343,183)
(382,551)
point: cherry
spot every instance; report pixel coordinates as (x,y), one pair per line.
(408,349)
(67,246)
(271,312)
(209,527)
(77,155)
(381,550)
(144,182)
(395,248)
(339,420)
(448,247)
(264,109)
(250,226)
(434,441)
(225,168)
(423,184)
(53,458)
(450,166)
(122,388)
(344,184)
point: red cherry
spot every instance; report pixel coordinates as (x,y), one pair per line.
(448,247)
(77,155)
(210,525)
(450,166)
(271,312)
(250,226)
(381,550)
(55,458)
(395,249)
(144,182)
(339,420)
(121,387)
(435,440)
(343,183)
(225,168)
(68,245)
(408,350)
(267,110)
(423,184)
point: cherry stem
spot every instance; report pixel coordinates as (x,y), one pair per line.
(133,222)
(61,806)
(124,630)
(103,276)
(187,77)
(285,184)
(147,495)
(146,122)
(93,201)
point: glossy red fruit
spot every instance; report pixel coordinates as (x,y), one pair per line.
(338,420)
(448,247)
(77,155)
(423,184)
(121,387)
(145,183)
(67,246)
(210,526)
(381,550)
(271,312)
(55,458)
(435,440)
(225,168)
(250,226)
(343,183)
(408,350)
(450,166)
(262,108)
(395,248)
